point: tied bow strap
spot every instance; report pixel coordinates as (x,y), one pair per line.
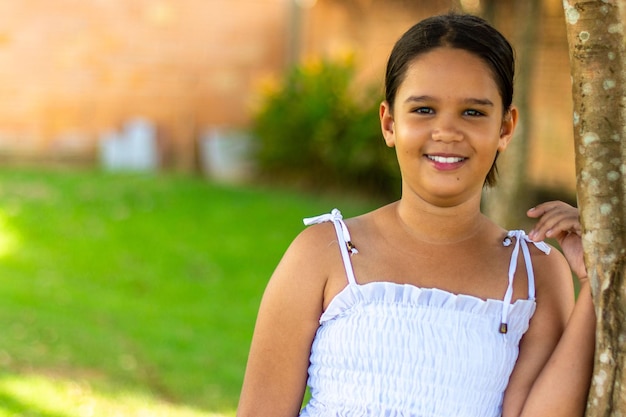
(337,219)
(521,240)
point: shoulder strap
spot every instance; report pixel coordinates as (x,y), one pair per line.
(521,240)
(343,237)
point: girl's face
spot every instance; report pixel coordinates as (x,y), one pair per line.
(447,125)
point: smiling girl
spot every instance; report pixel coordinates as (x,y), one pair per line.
(425,307)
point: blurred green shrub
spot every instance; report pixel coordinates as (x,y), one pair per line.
(319,130)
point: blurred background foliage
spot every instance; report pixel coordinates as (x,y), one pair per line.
(319,130)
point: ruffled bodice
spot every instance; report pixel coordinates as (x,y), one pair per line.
(387,349)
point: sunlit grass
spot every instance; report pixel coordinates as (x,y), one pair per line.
(134,295)
(38,395)
(9,239)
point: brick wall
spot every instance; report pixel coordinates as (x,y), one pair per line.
(72,69)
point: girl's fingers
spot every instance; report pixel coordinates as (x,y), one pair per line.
(556,219)
(543,208)
(560,221)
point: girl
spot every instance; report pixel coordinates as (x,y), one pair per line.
(425,307)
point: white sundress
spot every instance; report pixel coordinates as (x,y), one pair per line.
(387,349)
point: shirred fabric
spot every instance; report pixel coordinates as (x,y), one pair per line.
(385,349)
(396,350)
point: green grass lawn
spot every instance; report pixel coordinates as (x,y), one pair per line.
(134,295)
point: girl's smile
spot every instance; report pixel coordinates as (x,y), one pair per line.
(446,162)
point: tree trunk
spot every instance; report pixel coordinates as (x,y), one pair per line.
(596,45)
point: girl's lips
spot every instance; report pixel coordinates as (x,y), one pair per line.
(446,163)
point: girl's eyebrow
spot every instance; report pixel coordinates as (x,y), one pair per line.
(479,101)
(418,99)
(474,101)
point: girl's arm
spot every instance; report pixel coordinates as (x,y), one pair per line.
(554,306)
(562,387)
(276,372)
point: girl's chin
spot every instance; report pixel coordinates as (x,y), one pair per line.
(448,195)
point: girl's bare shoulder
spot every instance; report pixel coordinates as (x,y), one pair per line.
(315,250)
(551,268)
(554,291)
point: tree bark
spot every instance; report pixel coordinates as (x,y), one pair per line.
(596,45)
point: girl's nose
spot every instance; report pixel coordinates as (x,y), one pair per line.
(446,133)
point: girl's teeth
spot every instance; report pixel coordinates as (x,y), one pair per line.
(445,159)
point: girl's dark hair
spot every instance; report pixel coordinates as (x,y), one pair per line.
(461,31)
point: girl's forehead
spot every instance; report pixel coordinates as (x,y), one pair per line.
(450,70)
(449,57)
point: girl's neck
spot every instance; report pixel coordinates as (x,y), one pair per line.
(441,225)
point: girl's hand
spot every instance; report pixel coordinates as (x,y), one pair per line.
(560,221)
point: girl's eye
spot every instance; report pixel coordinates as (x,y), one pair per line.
(473,113)
(423,110)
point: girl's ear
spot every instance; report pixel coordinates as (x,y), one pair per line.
(387,124)
(508,127)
